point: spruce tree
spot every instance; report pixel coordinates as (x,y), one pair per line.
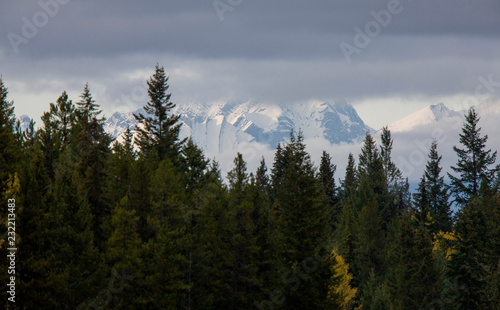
(393,174)
(373,180)
(90,152)
(437,192)
(411,276)
(213,266)
(8,144)
(468,263)
(124,253)
(474,161)
(241,213)
(119,168)
(158,129)
(303,225)
(166,260)
(326,178)
(261,178)
(350,180)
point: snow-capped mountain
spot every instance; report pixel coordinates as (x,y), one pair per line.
(24,121)
(414,134)
(223,126)
(427,116)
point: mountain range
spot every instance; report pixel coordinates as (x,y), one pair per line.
(223,126)
(255,129)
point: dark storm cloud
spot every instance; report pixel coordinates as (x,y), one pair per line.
(254,29)
(279,51)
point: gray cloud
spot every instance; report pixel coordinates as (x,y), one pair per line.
(266,50)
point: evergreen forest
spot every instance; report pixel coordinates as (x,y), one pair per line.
(150,223)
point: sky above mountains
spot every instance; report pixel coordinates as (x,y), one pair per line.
(386,58)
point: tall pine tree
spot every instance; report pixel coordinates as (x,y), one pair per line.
(158,129)
(474,161)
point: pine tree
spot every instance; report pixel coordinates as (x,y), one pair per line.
(196,179)
(86,108)
(167,261)
(8,144)
(55,133)
(393,174)
(473,161)
(262,179)
(422,202)
(214,264)
(302,225)
(123,255)
(467,265)
(398,187)
(373,181)
(119,167)
(32,200)
(78,265)
(326,178)
(369,246)
(350,180)
(244,238)
(411,278)
(159,130)
(62,116)
(437,192)
(90,151)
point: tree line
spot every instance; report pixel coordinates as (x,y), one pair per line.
(150,223)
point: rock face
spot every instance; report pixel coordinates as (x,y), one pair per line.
(220,127)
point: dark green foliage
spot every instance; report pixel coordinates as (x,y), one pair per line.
(302,224)
(90,151)
(411,277)
(8,144)
(474,161)
(350,180)
(124,251)
(326,178)
(159,130)
(100,225)
(373,180)
(468,263)
(437,192)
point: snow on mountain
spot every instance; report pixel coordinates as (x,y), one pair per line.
(223,126)
(24,121)
(414,134)
(427,116)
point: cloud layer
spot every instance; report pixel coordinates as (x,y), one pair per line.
(271,51)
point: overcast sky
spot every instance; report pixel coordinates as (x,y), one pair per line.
(410,54)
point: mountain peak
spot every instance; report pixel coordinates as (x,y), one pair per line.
(225,125)
(430,114)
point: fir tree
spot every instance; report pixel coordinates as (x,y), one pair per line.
(392,173)
(437,191)
(8,144)
(302,224)
(350,180)
(124,253)
(214,264)
(373,181)
(411,277)
(326,177)
(90,151)
(167,261)
(473,161)
(159,130)
(261,178)
(468,262)
(422,201)
(244,238)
